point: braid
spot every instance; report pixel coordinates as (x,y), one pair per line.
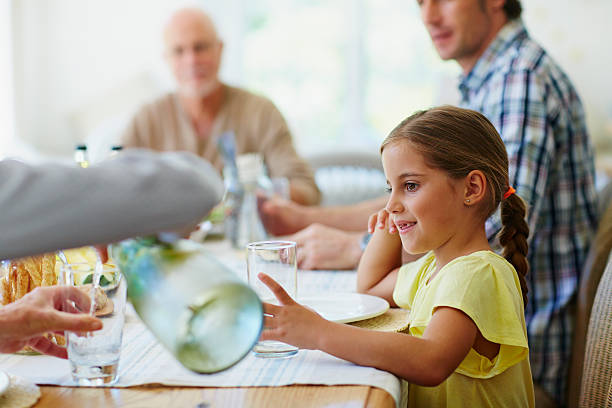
(513,238)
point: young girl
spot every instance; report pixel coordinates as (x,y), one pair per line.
(447,171)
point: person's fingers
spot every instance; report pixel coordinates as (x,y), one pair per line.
(382,218)
(277,289)
(269,322)
(61,321)
(372,222)
(299,237)
(270,308)
(384,215)
(272,334)
(301,258)
(306,263)
(271,205)
(46,346)
(66,294)
(70,307)
(392,227)
(102,251)
(12,346)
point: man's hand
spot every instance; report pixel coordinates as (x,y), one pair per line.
(321,247)
(282,217)
(49,309)
(102,251)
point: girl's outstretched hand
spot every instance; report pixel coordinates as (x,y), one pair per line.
(290,322)
(381,220)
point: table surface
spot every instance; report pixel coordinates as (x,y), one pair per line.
(207,397)
(255,397)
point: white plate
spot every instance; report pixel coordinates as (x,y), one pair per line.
(4,382)
(346,307)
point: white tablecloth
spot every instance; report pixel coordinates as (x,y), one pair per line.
(144,361)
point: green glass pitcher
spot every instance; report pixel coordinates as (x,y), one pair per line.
(196,307)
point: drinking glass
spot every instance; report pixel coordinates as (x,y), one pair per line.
(278,260)
(281,187)
(94,356)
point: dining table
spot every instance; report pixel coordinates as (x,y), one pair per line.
(150,377)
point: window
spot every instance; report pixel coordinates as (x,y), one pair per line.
(344,72)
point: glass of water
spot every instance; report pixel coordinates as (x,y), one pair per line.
(278,260)
(94,356)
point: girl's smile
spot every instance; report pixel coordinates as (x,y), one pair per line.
(403,227)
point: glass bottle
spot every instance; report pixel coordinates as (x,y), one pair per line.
(81,156)
(197,308)
(256,186)
(231,202)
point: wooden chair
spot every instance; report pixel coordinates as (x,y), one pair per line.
(596,388)
(591,275)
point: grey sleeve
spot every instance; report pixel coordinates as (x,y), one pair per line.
(52,206)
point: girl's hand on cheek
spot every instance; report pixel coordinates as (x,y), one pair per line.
(381,220)
(290,322)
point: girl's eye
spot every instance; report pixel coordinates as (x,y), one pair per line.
(411,186)
(388,190)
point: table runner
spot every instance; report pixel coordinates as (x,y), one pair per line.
(144,361)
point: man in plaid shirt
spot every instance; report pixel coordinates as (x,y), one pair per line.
(521,90)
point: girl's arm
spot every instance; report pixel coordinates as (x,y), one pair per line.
(426,361)
(377,270)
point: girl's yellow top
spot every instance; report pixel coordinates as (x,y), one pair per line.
(484,286)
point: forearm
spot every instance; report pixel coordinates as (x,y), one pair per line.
(411,358)
(352,217)
(53,206)
(382,256)
(304,193)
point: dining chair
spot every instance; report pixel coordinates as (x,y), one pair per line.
(596,388)
(348,177)
(591,274)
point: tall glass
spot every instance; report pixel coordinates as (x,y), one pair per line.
(94,356)
(278,260)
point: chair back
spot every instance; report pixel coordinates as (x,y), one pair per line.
(591,274)
(596,389)
(348,177)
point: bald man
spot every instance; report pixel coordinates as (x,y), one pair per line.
(202,108)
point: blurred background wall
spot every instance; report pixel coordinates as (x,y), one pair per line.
(343,72)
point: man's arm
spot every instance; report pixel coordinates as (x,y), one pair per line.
(48,207)
(282,159)
(283,217)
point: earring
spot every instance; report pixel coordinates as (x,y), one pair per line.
(467,201)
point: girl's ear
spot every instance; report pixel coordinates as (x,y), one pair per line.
(475,187)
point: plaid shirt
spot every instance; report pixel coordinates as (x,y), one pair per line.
(535,108)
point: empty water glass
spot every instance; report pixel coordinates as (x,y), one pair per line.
(278,260)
